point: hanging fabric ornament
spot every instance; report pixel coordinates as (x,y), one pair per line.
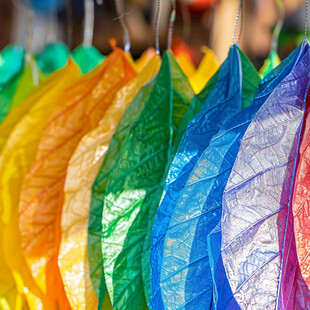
(87,57)
(11,63)
(81,173)
(207,68)
(78,111)
(143,146)
(235,89)
(258,245)
(15,159)
(214,179)
(53,57)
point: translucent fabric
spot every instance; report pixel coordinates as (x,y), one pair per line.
(135,165)
(258,245)
(15,159)
(192,111)
(53,57)
(213,181)
(207,68)
(78,111)
(236,87)
(81,173)
(270,63)
(87,57)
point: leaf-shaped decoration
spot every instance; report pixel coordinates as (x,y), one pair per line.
(224,101)
(144,148)
(81,174)
(16,158)
(207,68)
(11,63)
(144,59)
(53,57)
(270,63)
(258,245)
(191,112)
(99,187)
(18,112)
(215,183)
(78,111)
(87,57)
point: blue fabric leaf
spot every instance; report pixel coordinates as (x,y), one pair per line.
(197,137)
(258,246)
(199,210)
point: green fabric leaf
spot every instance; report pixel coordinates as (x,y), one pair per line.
(141,151)
(53,57)
(11,63)
(87,57)
(250,81)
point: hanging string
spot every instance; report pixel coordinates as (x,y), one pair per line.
(89,8)
(157,24)
(306,18)
(278,27)
(121,13)
(238,16)
(171,22)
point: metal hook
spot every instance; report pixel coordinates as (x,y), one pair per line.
(157,24)
(239,13)
(171,22)
(278,27)
(89,8)
(121,13)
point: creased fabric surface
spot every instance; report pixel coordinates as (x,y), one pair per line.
(214,179)
(258,245)
(15,159)
(224,101)
(81,173)
(78,111)
(126,182)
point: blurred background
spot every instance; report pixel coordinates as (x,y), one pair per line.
(198,23)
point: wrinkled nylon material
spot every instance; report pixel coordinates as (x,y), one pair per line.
(16,157)
(81,173)
(224,100)
(78,111)
(257,202)
(142,150)
(228,141)
(223,104)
